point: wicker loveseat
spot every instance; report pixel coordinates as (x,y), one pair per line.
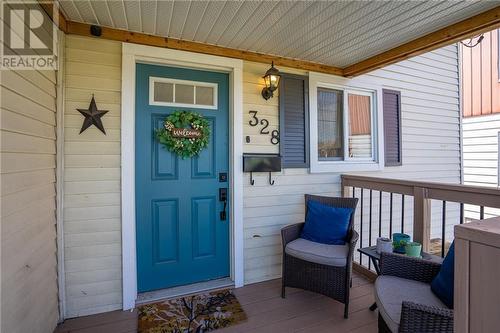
(321,268)
(404,297)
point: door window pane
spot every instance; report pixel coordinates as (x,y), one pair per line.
(184,94)
(163,92)
(204,95)
(330,123)
(360,132)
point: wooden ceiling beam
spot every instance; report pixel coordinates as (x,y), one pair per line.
(48,7)
(83,29)
(467,28)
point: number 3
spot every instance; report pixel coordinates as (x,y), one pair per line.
(254,117)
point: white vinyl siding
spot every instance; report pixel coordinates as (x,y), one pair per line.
(431,152)
(92,227)
(480,157)
(253,83)
(28,196)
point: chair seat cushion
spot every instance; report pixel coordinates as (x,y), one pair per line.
(331,255)
(391,291)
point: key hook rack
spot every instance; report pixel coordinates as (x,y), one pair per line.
(252,181)
(261,163)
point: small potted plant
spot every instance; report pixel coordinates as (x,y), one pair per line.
(399,241)
(413,249)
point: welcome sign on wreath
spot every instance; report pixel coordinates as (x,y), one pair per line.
(184,133)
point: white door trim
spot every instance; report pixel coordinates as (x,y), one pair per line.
(131,54)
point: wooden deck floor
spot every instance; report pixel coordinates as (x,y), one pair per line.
(301,311)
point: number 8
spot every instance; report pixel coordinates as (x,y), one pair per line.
(275,137)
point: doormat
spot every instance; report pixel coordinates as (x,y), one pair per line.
(197,314)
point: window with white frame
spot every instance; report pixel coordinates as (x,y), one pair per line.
(344,125)
(182,93)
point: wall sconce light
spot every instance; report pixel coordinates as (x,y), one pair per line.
(272,80)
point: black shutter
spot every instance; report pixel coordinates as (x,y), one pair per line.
(294,121)
(392,127)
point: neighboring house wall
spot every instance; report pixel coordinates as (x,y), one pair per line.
(92,225)
(481,142)
(431,151)
(481,77)
(481,111)
(28,201)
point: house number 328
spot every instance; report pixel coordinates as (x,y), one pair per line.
(254,121)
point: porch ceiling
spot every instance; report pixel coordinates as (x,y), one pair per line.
(333,33)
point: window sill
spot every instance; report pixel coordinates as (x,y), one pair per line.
(344,166)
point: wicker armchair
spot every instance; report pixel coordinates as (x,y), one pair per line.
(331,281)
(415,316)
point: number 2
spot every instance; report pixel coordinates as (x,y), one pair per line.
(264,122)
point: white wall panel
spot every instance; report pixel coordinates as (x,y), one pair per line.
(481,153)
(28,201)
(92,233)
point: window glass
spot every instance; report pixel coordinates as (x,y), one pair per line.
(204,95)
(172,92)
(330,124)
(184,94)
(163,92)
(360,132)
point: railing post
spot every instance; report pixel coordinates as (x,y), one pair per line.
(344,190)
(421,217)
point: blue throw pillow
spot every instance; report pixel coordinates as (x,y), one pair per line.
(442,285)
(326,224)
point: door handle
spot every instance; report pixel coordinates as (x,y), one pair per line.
(223,194)
(223,215)
(223,198)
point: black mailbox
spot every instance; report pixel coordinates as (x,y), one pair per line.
(261,163)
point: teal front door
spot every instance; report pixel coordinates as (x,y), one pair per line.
(182,234)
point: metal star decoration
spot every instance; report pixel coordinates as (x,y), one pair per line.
(92,116)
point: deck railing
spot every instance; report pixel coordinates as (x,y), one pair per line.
(392,197)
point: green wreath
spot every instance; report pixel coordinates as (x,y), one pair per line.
(195,133)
